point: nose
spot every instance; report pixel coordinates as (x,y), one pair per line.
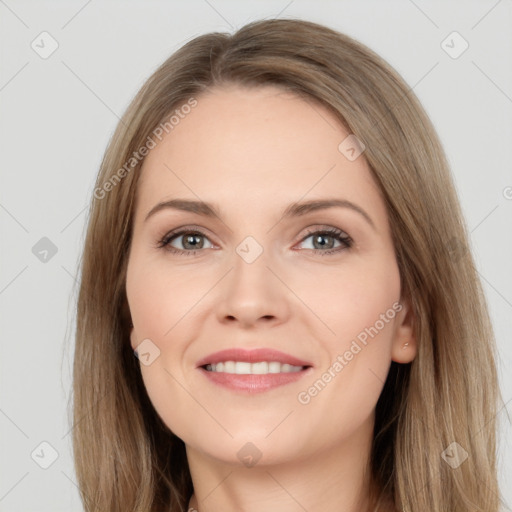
(253,294)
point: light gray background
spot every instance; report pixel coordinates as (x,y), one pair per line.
(57,115)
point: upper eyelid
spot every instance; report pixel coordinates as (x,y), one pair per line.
(310,229)
(168,235)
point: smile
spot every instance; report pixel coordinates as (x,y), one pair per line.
(258,368)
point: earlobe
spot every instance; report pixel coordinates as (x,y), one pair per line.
(404,347)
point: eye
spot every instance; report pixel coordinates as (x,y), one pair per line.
(189,240)
(324,241)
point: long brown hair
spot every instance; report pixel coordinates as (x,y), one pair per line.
(126,459)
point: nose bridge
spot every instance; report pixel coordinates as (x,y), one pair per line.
(251,291)
(250,263)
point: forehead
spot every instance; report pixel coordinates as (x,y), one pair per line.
(248,145)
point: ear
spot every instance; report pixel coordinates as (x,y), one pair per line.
(404,348)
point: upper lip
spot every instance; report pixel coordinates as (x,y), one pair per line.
(251,356)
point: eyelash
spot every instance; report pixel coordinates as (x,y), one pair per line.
(339,235)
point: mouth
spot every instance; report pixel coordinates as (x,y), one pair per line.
(252,371)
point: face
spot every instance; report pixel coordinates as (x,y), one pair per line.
(317,288)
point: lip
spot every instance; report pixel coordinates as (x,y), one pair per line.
(253,383)
(249,383)
(251,356)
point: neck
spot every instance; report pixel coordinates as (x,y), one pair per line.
(333,479)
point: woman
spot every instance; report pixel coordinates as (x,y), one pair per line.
(276,237)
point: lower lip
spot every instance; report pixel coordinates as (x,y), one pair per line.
(254,383)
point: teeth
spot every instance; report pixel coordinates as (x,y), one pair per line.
(274,367)
(259,368)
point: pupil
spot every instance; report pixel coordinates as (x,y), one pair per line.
(320,237)
(190,239)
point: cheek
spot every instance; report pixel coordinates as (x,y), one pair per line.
(162,308)
(352,299)
(341,398)
(359,305)
(159,299)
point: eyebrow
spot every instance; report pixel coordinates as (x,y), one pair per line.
(294,210)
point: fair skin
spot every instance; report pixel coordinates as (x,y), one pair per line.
(254,152)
